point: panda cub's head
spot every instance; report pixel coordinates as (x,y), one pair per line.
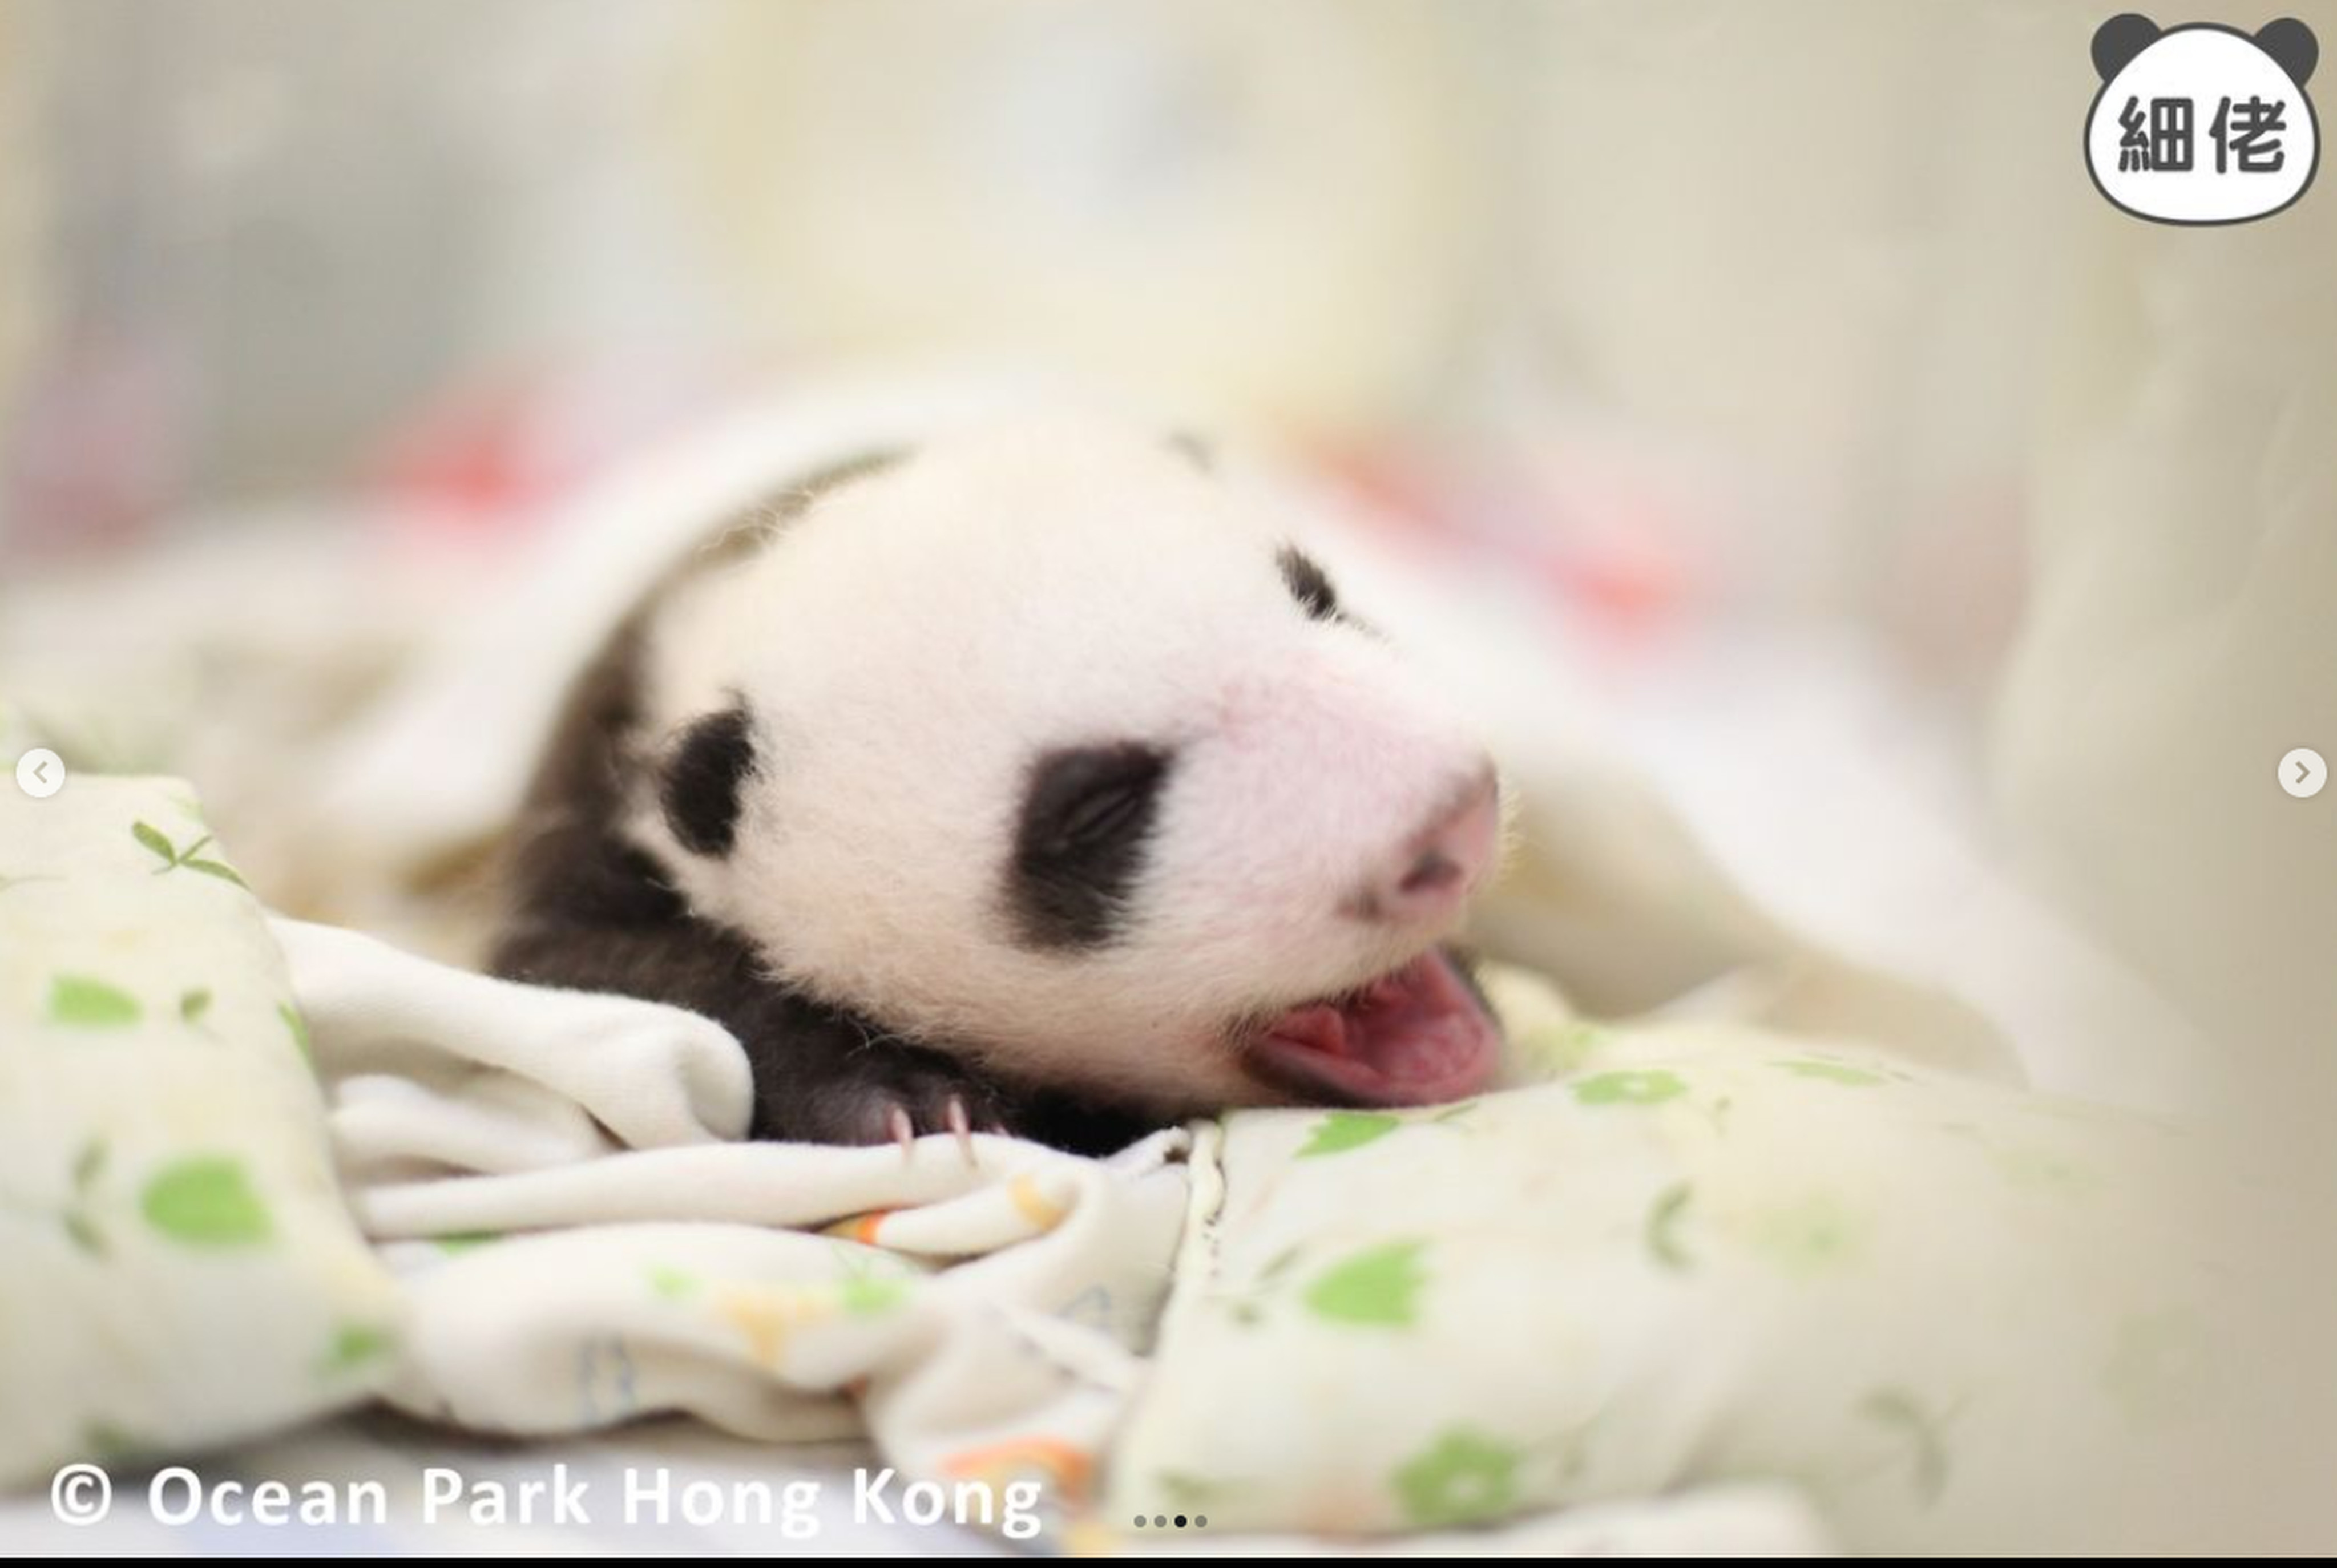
(1038,746)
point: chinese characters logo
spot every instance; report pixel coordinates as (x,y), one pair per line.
(2202,123)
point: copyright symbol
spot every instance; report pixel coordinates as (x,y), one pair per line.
(81,1494)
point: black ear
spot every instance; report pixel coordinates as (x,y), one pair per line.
(2119,40)
(703,772)
(2293,47)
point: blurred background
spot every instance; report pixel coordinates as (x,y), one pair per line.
(1823,259)
(1913,510)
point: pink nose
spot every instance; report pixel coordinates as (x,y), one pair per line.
(1441,864)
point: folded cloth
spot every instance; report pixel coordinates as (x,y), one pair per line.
(582,1240)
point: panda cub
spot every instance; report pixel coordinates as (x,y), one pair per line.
(1028,781)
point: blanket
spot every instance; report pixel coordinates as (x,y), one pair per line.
(180,1268)
(1637,1272)
(269,1169)
(583,1241)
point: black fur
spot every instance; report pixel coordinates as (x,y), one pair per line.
(700,789)
(1308,584)
(592,912)
(1087,814)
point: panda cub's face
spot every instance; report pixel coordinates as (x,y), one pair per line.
(1041,747)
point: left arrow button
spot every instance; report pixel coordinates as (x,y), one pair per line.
(40,773)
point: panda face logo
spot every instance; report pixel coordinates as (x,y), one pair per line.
(2202,123)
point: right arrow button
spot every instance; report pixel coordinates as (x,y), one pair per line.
(2302,772)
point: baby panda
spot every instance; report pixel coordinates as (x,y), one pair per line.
(1031,782)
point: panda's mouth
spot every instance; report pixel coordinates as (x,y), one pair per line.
(1417,1035)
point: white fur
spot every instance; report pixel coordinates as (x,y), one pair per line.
(910,644)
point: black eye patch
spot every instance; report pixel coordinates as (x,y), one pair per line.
(699,791)
(1308,584)
(1086,815)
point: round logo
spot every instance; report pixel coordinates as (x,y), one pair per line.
(2202,123)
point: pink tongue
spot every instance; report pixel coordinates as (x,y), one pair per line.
(1413,1038)
(1323,1030)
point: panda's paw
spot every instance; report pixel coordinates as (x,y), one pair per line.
(845,1089)
(923,1099)
(904,1126)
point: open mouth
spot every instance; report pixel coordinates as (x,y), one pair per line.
(1417,1035)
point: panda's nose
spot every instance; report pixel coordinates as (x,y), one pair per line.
(1441,863)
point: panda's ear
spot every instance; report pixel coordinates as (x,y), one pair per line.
(703,771)
(2293,47)
(2119,40)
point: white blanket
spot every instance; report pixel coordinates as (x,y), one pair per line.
(583,1243)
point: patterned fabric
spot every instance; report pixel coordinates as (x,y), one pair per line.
(1715,1269)
(180,1268)
(1696,1255)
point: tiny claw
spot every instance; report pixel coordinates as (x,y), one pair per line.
(905,1132)
(961,1127)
